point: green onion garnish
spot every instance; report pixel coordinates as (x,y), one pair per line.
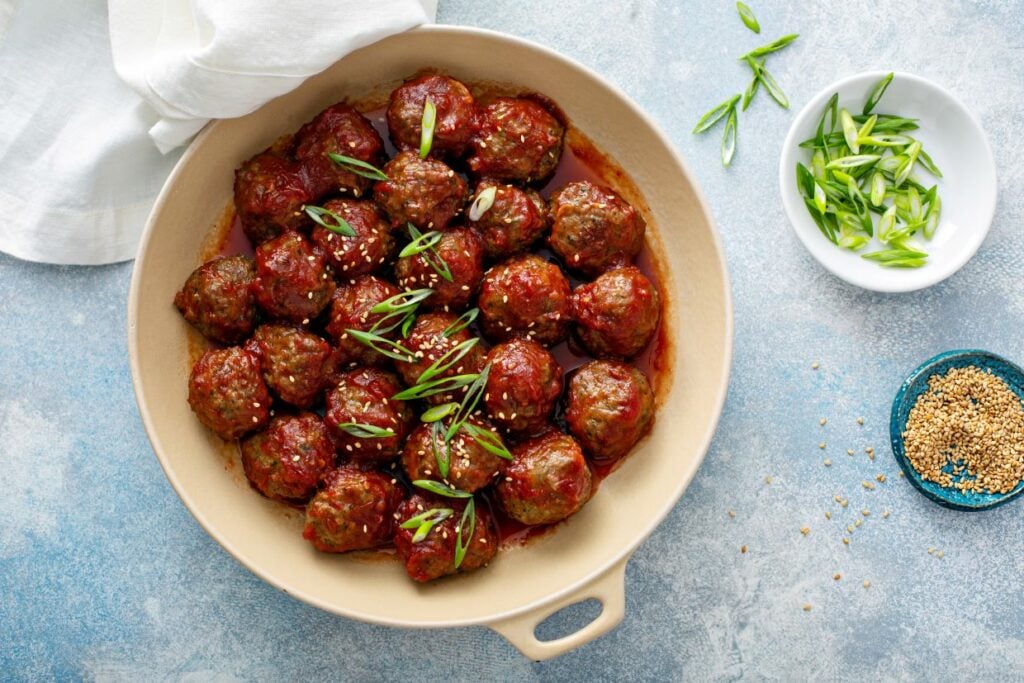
(463,321)
(729,137)
(357,166)
(383,346)
(365,431)
(470,400)
(860,167)
(483,202)
(716,114)
(468,517)
(427,128)
(340,225)
(437,413)
(435,386)
(448,360)
(487,440)
(747,15)
(443,455)
(425,521)
(423,245)
(773,46)
(440,489)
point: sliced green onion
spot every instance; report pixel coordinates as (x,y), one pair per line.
(437,413)
(869,125)
(886,224)
(931,218)
(877,92)
(420,244)
(403,302)
(428,252)
(487,440)
(729,138)
(440,489)
(773,46)
(747,15)
(849,131)
(425,521)
(357,166)
(770,84)
(884,140)
(927,162)
(804,180)
(853,161)
(916,207)
(462,322)
(748,96)
(435,386)
(821,135)
(907,166)
(365,431)
(878,188)
(470,400)
(443,455)
(483,202)
(468,517)
(340,225)
(448,360)
(713,116)
(383,346)
(427,128)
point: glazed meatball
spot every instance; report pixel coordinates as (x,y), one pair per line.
(354,511)
(523,386)
(218,299)
(548,480)
(617,314)
(471,466)
(364,398)
(371,248)
(424,192)
(515,221)
(270,192)
(434,556)
(227,393)
(296,363)
(525,297)
(454,122)
(288,459)
(610,406)
(462,252)
(292,282)
(428,343)
(518,139)
(593,229)
(350,309)
(339,129)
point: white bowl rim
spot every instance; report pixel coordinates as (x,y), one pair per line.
(626,550)
(794,209)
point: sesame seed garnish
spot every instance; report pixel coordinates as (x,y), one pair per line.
(743,548)
(822,421)
(255,419)
(860,420)
(807,607)
(805,530)
(821,445)
(827,463)
(846,541)
(731,513)
(836,576)
(867,584)
(815,365)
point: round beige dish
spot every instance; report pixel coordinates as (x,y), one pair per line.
(585,557)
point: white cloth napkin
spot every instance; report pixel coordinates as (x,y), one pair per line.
(80,148)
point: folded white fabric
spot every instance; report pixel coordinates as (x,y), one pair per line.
(79,169)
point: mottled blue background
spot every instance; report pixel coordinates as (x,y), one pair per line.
(104,575)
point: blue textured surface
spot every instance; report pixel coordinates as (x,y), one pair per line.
(917,384)
(104,575)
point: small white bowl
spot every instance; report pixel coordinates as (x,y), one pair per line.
(954,139)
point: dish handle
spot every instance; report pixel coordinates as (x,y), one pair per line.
(609,589)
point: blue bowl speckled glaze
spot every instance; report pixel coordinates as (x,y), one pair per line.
(913,387)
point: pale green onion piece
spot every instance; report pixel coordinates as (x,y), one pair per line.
(448,360)
(818,164)
(905,168)
(876,93)
(340,225)
(443,455)
(868,126)
(852,240)
(886,224)
(877,188)
(749,20)
(357,166)
(854,161)
(773,46)
(931,221)
(927,162)
(365,431)
(438,412)
(425,521)
(890,164)
(819,197)
(748,96)
(484,201)
(487,440)
(427,128)
(440,489)
(464,536)
(383,346)
(849,131)
(729,138)
(772,86)
(425,241)
(713,116)
(914,203)
(885,140)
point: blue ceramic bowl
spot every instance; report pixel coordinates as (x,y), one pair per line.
(914,386)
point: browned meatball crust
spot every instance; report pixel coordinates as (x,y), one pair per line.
(287,460)
(609,407)
(617,314)
(515,221)
(227,393)
(270,192)
(471,467)
(339,129)
(424,192)
(523,386)
(428,343)
(354,511)
(525,297)
(593,229)
(292,282)
(548,480)
(455,119)
(218,300)
(518,139)
(434,556)
(364,398)
(297,364)
(368,251)
(350,309)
